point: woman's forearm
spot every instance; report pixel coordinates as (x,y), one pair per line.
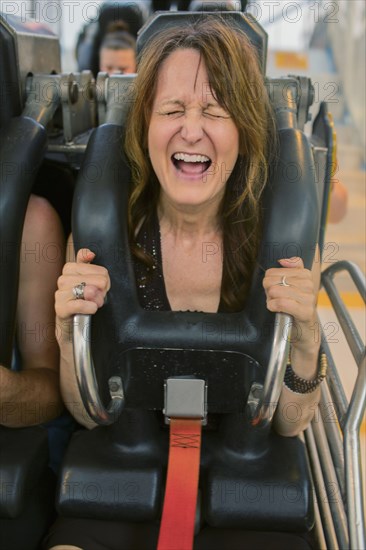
(296,410)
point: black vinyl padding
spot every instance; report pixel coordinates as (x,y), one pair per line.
(22,145)
(322,136)
(245,22)
(122,327)
(10,104)
(24,456)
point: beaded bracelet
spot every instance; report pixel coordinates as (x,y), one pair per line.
(300,385)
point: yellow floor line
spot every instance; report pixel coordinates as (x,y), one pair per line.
(350,299)
(363,428)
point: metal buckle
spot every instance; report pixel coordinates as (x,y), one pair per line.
(185,398)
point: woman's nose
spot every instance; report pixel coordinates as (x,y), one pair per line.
(192,127)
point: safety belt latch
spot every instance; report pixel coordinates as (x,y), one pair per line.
(185,398)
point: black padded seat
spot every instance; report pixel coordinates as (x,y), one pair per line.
(19,477)
(27,488)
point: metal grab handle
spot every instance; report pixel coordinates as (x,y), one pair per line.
(86,379)
(88,385)
(268,400)
(353,466)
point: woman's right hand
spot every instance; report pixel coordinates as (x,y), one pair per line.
(97,284)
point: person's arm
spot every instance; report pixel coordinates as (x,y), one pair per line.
(32,396)
(296,410)
(97,284)
(338,202)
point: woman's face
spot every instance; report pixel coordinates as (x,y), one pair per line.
(117,61)
(193,143)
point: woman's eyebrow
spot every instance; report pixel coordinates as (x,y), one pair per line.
(172,102)
(180,103)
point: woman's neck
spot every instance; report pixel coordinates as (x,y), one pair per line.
(188,222)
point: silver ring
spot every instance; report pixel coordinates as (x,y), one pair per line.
(283,282)
(78,291)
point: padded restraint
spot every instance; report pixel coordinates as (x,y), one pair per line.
(323,135)
(123,331)
(10,104)
(246,22)
(22,145)
(145,348)
(228,351)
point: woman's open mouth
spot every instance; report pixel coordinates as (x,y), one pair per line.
(190,164)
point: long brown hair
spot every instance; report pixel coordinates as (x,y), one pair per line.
(238,85)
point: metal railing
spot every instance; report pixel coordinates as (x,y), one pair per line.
(333,440)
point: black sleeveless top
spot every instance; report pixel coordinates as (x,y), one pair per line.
(150,281)
(151,289)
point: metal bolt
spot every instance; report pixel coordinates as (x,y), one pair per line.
(73,92)
(113,386)
(256,392)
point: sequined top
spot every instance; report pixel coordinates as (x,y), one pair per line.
(150,284)
(151,289)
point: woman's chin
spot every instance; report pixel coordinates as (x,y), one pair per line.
(192,201)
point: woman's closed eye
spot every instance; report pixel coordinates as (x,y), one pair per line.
(216,112)
(213,115)
(172,113)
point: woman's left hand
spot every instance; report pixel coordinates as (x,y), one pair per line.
(297,298)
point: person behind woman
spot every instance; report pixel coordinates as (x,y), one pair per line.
(30,392)
(198,141)
(117,54)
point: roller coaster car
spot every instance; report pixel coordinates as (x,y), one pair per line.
(155,358)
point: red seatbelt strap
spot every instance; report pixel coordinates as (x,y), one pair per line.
(179,511)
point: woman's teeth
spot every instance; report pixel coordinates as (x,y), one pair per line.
(190,158)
